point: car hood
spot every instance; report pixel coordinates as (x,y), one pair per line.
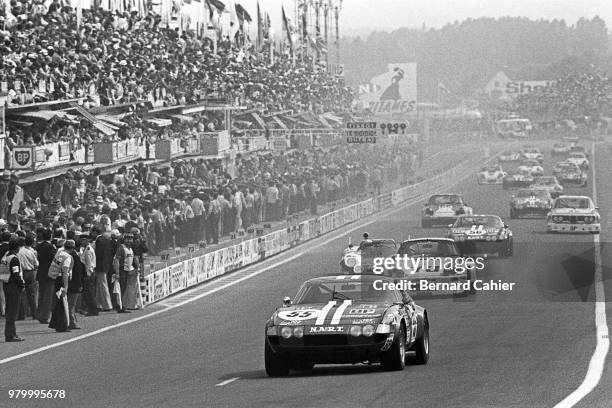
(331,313)
(528,200)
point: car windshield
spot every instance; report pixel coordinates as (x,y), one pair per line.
(532,193)
(444,200)
(493,169)
(484,220)
(532,151)
(573,202)
(568,167)
(577,155)
(429,248)
(378,249)
(357,291)
(529,163)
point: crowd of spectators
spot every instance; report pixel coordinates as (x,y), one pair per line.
(573,96)
(115,57)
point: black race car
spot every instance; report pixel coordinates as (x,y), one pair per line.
(346,319)
(517,178)
(482,235)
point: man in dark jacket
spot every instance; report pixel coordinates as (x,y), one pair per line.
(75,286)
(46,252)
(12,291)
(105,252)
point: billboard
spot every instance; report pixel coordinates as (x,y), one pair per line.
(502,87)
(394,91)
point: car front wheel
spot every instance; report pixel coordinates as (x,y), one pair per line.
(394,359)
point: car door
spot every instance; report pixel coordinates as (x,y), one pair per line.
(411,316)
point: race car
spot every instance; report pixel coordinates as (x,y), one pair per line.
(560,149)
(550,184)
(574,214)
(443,209)
(532,166)
(579,149)
(532,153)
(493,174)
(346,320)
(437,260)
(517,178)
(570,174)
(509,156)
(530,201)
(580,159)
(359,259)
(482,235)
(571,140)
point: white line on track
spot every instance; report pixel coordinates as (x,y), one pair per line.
(598,359)
(334,235)
(222,383)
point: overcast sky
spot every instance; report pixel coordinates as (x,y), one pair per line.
(363,15)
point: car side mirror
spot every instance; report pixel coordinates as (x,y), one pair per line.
(287,301)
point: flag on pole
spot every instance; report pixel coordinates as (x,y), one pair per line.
(260,28)
(287,29)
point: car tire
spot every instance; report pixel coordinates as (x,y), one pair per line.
(426,224)
(421,347)
(394,359)
(276,365)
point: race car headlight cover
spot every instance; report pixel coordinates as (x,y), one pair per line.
(355,331)
(357,268)
(350,261)
(298,332)
(286,332)
(368,330)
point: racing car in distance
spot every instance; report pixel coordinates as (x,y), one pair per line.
(560,149)
(570,174)
(493,174)
(482,235)
(550,184)
(532,153)
(442,209)
(530,201)
(509,156)
(434,259)
(346,320)
(517,178)
(574,214)
(571,140)
(360,259)
(580,159)
(579,149)
(532,166)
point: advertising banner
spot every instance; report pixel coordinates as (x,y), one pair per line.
(394,91)
(177,279)
(191,271)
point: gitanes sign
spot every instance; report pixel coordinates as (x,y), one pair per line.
(394,91)
(502,87)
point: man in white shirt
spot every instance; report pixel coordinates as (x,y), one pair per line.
(88,257)
(272,202)
(197,205)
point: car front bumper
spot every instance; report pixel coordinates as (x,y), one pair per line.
(573,228)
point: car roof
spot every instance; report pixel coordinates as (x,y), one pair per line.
(379,241)
(574,196)
(478,215)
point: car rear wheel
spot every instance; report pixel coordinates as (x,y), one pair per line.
(276,365)
(394,359)
(421,347)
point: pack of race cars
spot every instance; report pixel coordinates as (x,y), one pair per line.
(345,319)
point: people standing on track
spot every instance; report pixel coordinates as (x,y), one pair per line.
(46,252)
(123,267)
(13,286)
(61,271)
(88,258)
(28,259)
(104,263)
(75,285)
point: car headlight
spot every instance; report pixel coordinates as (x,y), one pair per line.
(286,332)
(588,219)
(355,331)
(350,261)
(298,332)
(429,211)
(271,331)
(368,330)
(357,268)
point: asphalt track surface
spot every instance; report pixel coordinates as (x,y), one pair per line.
(526,348)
